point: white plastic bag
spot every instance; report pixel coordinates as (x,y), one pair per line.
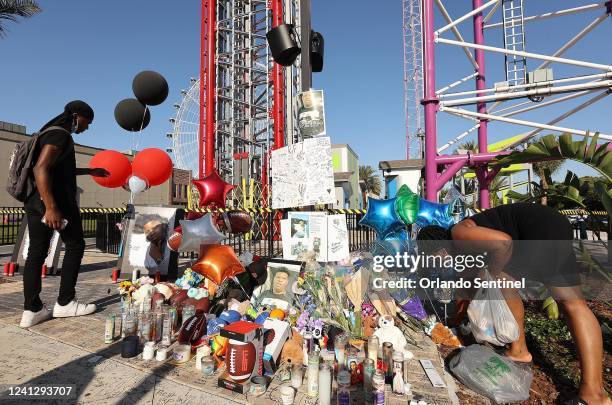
(488,373)
(490,317)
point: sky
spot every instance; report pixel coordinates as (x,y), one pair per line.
(92,50)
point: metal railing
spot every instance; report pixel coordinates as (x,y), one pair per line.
(263,240)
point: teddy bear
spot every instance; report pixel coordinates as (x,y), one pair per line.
(369,325)
(388,332)
(293,349)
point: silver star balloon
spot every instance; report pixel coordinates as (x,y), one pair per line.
(201,231)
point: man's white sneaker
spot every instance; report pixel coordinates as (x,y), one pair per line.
(30,318)
(73,308)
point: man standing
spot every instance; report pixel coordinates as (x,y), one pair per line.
(53,206)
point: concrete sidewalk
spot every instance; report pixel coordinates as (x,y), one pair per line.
(72,351)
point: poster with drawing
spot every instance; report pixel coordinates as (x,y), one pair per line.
(302,174)
(311,113)
(324,234)
(337,238)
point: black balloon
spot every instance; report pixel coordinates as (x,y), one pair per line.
(150,87)
(132,115)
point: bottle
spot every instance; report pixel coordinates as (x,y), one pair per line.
(378,387)
(339,347)
(166,338)
(373,345)
(344,388)
(325,384)
(145,327)
(313,374)
(297,374)
(173,319)
(369,368)
(159,324)
(188,312)
(398,372)
(129,328)
(388,361)
(109,329)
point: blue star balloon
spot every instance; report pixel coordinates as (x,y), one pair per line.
(431,213)
(382,217)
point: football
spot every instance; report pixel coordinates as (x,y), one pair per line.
(174,241)
(192,330)
(240,360)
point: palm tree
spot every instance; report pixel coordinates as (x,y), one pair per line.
(470,185)
(10,10)
(540,168)
(369,182)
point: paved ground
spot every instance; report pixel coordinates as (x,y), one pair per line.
(71,351)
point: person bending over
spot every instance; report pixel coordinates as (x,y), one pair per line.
(53,201)
(548,257)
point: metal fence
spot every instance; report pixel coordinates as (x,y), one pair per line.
(263,240)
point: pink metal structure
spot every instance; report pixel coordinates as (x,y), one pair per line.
(439,168)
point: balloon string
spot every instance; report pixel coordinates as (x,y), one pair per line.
(136,135)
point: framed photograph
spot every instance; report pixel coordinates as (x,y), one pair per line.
(146,245)
(281,283)
(311,113)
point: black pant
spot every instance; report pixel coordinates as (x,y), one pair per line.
(40,238)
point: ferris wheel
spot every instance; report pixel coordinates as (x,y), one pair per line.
(185,127)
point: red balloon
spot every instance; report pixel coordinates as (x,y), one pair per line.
(117,164)
(213,190)
(217,263)
(152,164)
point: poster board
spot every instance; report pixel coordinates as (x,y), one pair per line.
(326,235)
(144,243)
(311,113)
(22,244)
(302,174)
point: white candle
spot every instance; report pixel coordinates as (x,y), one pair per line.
(325,388)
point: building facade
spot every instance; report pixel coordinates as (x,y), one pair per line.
(93,195)
(397,173)
(345,163)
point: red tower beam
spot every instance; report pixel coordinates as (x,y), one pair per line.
(208,81)
(278,82)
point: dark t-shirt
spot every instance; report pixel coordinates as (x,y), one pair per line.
(64,185)
(542,247)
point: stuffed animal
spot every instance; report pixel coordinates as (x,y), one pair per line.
(388,332)
(145,291)
(369,325)
(292,350)
(219,347)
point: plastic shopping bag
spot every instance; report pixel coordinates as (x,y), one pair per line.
(491,375)
(490,317)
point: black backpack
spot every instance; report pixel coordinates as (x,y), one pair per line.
(21,182)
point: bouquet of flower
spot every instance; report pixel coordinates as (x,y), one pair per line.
(126,289)
(326,299)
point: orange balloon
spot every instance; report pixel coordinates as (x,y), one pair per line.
(217,263)
(153,165)
(117,164)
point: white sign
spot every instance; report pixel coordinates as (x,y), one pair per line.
(324,234)
(302,174)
